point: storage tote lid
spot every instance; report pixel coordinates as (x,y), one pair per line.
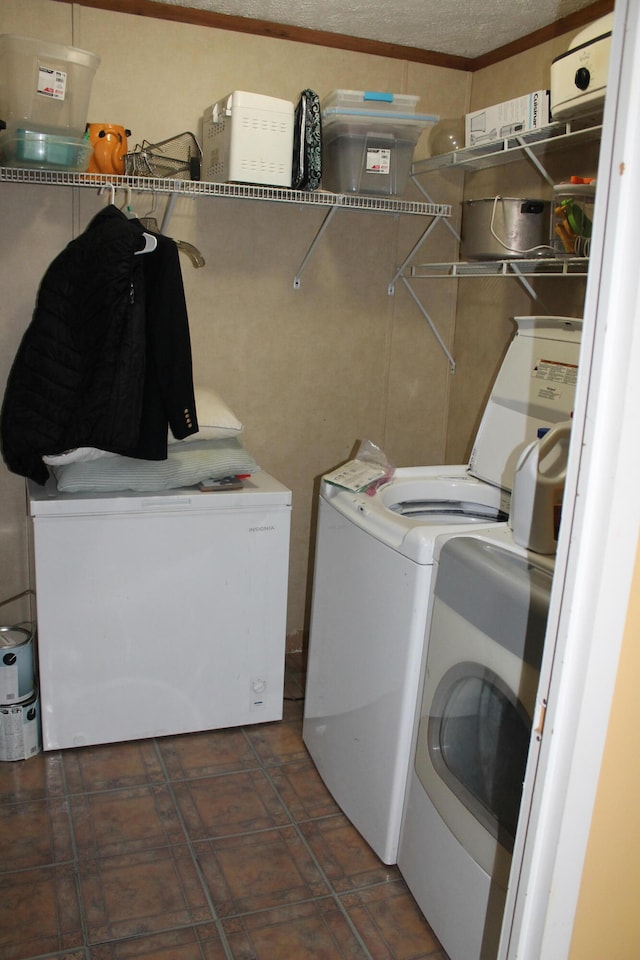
(370,100)
(15,45)
(387,116)
(535,388)
(361,123)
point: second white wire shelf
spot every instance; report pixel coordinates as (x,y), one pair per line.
(551,267)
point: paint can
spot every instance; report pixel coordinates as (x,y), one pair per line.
(17,665)
(20,731)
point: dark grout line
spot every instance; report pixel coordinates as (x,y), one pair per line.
(196,862)
(333,892)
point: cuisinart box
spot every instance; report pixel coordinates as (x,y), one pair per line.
(248,138)
(579,76)
(503,120)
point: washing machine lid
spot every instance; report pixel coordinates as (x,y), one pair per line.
(535,388)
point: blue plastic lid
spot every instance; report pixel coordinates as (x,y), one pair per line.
(372,95)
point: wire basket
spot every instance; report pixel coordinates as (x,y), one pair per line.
(178,158)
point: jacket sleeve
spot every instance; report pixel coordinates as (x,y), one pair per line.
(168,392)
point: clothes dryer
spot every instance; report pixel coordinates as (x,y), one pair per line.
(373,563)
(481,668)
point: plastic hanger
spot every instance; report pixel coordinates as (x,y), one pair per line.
(189,249)
(150,244)
(109,186)
(126,208)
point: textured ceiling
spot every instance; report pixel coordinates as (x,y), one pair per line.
(464,28)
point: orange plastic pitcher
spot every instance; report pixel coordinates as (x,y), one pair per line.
(109,147)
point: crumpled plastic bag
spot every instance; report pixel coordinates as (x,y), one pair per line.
(366,472)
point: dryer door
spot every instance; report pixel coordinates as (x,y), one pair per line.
(485,645)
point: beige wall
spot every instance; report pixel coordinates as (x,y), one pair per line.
(607,922)
(313,371)
(310,372)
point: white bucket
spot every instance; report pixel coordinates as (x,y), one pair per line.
(20,731)
(17,668)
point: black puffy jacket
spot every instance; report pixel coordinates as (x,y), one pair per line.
(106,359)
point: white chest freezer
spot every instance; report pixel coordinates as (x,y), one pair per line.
(161,613)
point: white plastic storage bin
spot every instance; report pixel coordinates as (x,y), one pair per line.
(248,138)
(45,87)
(368,141)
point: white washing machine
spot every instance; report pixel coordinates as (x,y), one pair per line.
(488,616)
(373,564)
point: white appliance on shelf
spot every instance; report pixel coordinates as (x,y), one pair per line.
(579,76)
(161,613)
(373,563)
(480,672)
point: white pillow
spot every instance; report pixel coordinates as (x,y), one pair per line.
(215,419)
(79,455)
(185,466)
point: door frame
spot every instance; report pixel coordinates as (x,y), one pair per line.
(596,549)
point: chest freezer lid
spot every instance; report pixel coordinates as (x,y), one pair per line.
(535,387)
(261,491)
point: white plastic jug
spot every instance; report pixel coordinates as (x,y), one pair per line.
(538,488)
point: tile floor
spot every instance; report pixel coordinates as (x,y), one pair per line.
(207,846)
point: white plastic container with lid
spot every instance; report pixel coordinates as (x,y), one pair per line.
(44,87)
(538,489)
(368,141)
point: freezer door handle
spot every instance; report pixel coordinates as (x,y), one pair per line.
(166,504)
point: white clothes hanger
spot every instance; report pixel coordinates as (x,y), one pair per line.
(126,208)
(189,249)
(150,244)
(108,186)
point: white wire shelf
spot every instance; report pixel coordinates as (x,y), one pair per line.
(551,139)
(547,267)
(237,191)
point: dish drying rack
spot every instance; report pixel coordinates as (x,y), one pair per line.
(178,158)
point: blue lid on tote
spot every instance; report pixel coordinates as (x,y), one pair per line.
(372,95)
